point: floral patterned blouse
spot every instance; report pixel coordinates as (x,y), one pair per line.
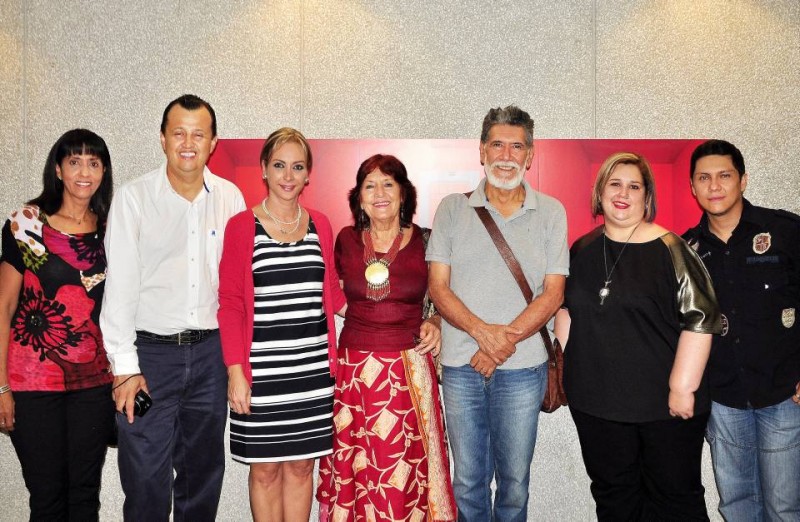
(55,342)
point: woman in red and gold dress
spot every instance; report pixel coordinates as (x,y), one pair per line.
(389,455)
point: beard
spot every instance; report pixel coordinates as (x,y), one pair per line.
(504,184)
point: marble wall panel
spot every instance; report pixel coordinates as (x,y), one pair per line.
(433,69)
(13,133)
(377,69)
(717,69)
(114,67)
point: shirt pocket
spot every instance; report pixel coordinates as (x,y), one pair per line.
(767,288)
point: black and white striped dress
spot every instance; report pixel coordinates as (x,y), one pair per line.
(292,394)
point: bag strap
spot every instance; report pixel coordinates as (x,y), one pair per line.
(516,270)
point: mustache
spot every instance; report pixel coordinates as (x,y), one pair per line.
(506,184)
(505,164)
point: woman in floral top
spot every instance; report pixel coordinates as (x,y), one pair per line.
(55,384)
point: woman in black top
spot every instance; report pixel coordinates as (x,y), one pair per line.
(639,314)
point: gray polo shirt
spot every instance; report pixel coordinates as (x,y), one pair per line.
(537,234)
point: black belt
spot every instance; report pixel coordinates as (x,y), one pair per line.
(184,338)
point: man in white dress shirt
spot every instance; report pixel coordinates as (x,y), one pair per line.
(159,323)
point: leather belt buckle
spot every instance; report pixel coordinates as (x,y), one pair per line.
(189,337)
(184,338)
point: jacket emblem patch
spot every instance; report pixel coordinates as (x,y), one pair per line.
(762,242)
(787,317)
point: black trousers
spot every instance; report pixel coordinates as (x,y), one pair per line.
(644,471)
(183,431)
(60,439)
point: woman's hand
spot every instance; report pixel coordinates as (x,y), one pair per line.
(687,372)
(430,336)
(6,412)
(238,390)
(681,404)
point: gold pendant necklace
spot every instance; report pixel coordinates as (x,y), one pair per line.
(377,271)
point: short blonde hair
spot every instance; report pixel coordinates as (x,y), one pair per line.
(282,136)
(608,166)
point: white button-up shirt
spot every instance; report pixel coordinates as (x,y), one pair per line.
(163,261)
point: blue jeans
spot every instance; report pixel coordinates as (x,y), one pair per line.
(491,424)
(756,457)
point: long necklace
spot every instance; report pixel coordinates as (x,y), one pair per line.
(377,271)
(605,290)
(278,223)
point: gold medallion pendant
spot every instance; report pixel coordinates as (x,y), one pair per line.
(377,270)
(377,273)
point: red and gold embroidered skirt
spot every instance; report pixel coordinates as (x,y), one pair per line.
(389,457)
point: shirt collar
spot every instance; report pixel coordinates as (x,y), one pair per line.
(163,187)
(749,215)
(478,196)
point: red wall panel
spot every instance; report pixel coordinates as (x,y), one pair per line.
(565,169)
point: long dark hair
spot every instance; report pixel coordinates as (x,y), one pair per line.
(76,141)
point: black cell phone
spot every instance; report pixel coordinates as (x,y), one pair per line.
(141,403)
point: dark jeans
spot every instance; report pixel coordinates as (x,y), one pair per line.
(183,431)
(60,439)
(644,471)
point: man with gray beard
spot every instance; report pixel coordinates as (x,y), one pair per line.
(494,360)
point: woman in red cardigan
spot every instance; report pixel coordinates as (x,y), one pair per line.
(278,293)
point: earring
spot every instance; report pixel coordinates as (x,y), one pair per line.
(306,182)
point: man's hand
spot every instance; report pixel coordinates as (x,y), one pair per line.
(494,340)
(482,364)
(124,391)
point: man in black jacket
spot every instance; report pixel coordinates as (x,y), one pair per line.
(753,256)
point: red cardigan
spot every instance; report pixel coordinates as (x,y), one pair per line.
(237,293)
